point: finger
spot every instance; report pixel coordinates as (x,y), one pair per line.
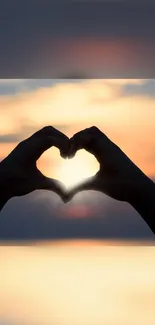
(50,184)
(47,131)
(39,145)
(88,184)
(50,131)
(87,139)
(79,141)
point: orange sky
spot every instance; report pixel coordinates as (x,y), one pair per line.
(79,283)
(127,120)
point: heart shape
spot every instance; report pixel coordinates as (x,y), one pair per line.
(88,139)
(116,175)
(71,172)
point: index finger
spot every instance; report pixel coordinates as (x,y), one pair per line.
(48,131)
(88,139)
(60,140)
(32,150)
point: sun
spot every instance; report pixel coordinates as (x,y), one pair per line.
(73,171)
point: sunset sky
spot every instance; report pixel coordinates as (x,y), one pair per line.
(108,278)
(122,108)
(90,261)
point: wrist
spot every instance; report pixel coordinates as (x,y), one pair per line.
(142,200)
(142,189)
(3,201)
(5,192)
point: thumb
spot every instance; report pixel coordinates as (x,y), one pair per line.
(89,184)
(50,184)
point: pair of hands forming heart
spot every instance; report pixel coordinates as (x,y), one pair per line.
(117,177)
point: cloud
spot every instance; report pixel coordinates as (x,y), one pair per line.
(14,137)
(65,102)
(11,81)
(41,215)
(146,89)
(16,86)
(127,119)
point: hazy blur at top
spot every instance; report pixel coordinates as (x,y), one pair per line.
(77,39)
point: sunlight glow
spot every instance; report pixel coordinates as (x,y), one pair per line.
(74,171)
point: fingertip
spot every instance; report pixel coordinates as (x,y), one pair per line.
(72,151)
(71,155)
(64,151)
(66,198)
(63,155)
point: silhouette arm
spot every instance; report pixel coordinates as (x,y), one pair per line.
(118,177)
(3,201)
(142,199)
(19,174)
(4,188)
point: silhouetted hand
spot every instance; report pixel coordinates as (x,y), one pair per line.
(117,175)
(19,174)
